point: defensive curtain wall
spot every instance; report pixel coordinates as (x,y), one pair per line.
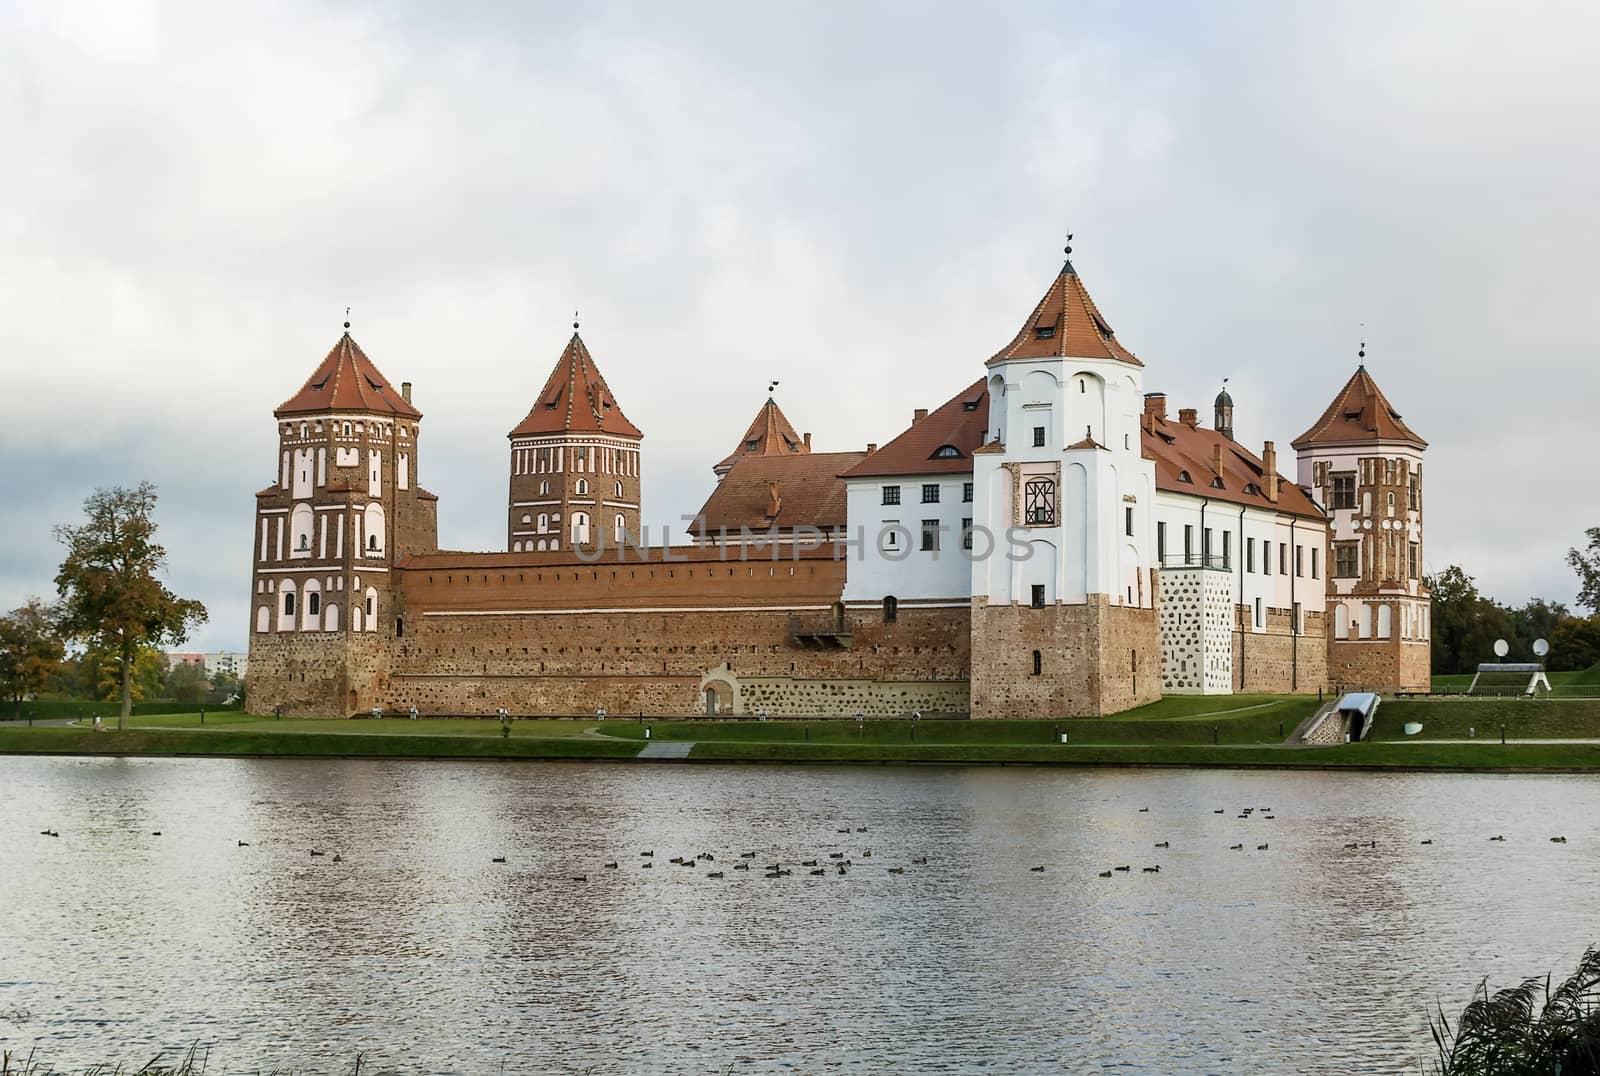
(665,631)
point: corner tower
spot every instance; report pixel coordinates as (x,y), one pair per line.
(1063,604)
(1365,465)
(345,507)
(574,463)
(770,434)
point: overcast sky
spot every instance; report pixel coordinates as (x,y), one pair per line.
(863,201)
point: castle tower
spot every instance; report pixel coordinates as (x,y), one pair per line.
(574,464)
(1063,618)
(344,509)
(1365,465)
(770,434)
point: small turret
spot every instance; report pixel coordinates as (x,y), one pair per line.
(1224,412)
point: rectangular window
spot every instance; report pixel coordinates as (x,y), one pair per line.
(930,534)
(1344,490)
(1266,557)
(966,493)
(1038,595)
(1038,437)
(314,603)
(1283,558)
(1294,626)
(891,534)
(1127,522)
(1416,560)
(1205,547)
(1300,560)
(930,493)
(1227,550)
(966,534)
(1346,560)
(1314,552)
(1161,543)
(891,494)
(1259,621)
(1411,494)
(1249,554)
(1188,543)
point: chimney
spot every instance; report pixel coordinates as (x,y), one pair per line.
(1155,405)
(918,415)
(1190,417)
(872,446)
(774,502)
(1216,459)
(1269,472)
(808,442)
(405,391)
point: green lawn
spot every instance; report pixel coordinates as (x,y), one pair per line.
(1175,731)
(1453,719)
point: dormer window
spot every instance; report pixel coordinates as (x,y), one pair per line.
(1044,332)
(969,405)
(1216,483)
(1252,489)
(946,452)
(1183,476)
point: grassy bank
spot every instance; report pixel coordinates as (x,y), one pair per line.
(1248,730)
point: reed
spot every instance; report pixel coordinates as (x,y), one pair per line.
(1527,1030)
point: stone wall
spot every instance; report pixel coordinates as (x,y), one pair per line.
(1095,659)
(317,674)
(1276,661)
(1384,665)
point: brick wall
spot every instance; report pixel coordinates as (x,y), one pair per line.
(1095,659)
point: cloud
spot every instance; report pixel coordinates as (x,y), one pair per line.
(863,202)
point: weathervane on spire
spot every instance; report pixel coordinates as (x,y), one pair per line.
(1067,250)
(574,321)
(1362,353)
(347,319)
(771,388)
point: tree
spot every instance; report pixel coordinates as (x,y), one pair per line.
(187,683)
(31,651)
(1575,643)
(110,595)
(1465,624)
(1587,564)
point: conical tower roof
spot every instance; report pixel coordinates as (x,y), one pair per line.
(1360,412)
(770,434)
(347,381)
(1066,323)
(576,400)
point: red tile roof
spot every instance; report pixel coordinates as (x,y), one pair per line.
(769,435)
(1360,412)
(576,399)
(805,489)
(959,423)
(347,381)
(1066,323)
(1178,448)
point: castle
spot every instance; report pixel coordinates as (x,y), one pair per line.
(1048,542)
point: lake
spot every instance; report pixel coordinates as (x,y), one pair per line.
(420,952)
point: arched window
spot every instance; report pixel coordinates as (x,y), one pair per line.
(541,545)
(580,528)
(263,618)
(286,605)
(891,609)
(620,528)
(544,523)
(330,618)
(311,616)
(301,522)
(581,488)
(347,429)
(372,609)
(1038,663)
(544,489)
(516,547)
(399,627)
(526,518)
(374,527)
(946,452)
(619,489)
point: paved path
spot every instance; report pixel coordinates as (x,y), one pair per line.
(1491,739)
(666,749)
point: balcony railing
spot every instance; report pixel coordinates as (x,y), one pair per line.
(1197,560)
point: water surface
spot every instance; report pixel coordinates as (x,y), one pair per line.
(417,949)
